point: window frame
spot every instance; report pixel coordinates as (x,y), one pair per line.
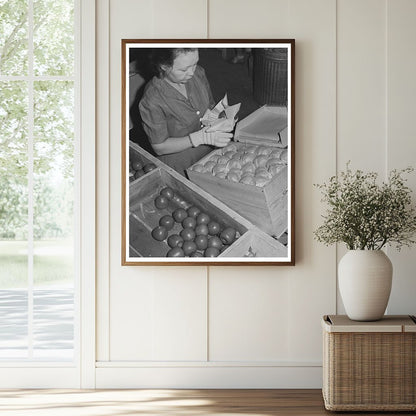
(81,371)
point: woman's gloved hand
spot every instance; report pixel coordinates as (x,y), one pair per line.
(212,138)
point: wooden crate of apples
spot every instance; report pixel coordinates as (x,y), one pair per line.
(249,178)
(171,217)
(139,163)
(250,175)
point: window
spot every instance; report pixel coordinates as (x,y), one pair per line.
(38,184)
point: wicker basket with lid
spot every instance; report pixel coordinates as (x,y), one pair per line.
(369,366)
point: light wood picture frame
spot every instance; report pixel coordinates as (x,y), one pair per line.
(208,152)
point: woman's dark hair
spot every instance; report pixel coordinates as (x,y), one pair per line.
(165,56)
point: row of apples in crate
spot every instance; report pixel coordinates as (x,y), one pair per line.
(248,164)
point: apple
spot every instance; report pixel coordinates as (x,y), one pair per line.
(209,166)
(274,161)
(221,175)
(167,193)
(228,235)
(214,158)
(240,153)
(275,153)
(188,234)
(237,155)
(159,233)
(193,211)
(198,168)
(201,229)
(179,214)
(161,202)
(149,167)
(248,157)
(189,247)
(219,168)
(229,154)
(274,169)
(175,240)
(189,222)
(233,177)
(233,164)
(211,252)
(203,218)
(175,252)
(213,228)
(137,165)
(236,171)
(263,172)
(261,181)
(264,150)
(248,180)
(201,241)
(260,161)
(248,167)
(215,242)
(167,221)
(222,160)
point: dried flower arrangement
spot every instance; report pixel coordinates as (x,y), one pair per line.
(366,215)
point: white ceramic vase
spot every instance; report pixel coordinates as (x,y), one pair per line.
(364,278)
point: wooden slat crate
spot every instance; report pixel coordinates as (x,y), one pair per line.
(255,244)
(137,154)
(144,216)
(266,206)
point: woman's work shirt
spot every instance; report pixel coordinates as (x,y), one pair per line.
(165,112)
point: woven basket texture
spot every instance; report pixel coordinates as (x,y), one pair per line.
(369,371)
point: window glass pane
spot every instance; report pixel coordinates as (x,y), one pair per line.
(14,321)
(54,163)
(53,320)
(53,196)
(13,160)
(13,219)
(53,36)
(13,37)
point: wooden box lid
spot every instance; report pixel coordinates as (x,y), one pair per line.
(263,126)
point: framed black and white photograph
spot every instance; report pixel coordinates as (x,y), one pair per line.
(208,156)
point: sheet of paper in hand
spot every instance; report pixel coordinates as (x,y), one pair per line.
(214,120)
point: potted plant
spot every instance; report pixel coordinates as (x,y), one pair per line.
(366,216)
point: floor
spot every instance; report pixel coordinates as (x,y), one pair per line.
(166,402)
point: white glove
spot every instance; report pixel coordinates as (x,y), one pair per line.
(213,138)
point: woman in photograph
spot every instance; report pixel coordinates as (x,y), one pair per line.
(172,107)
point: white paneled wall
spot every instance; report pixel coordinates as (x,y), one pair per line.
(254,326)
(401,131)
(361,84)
